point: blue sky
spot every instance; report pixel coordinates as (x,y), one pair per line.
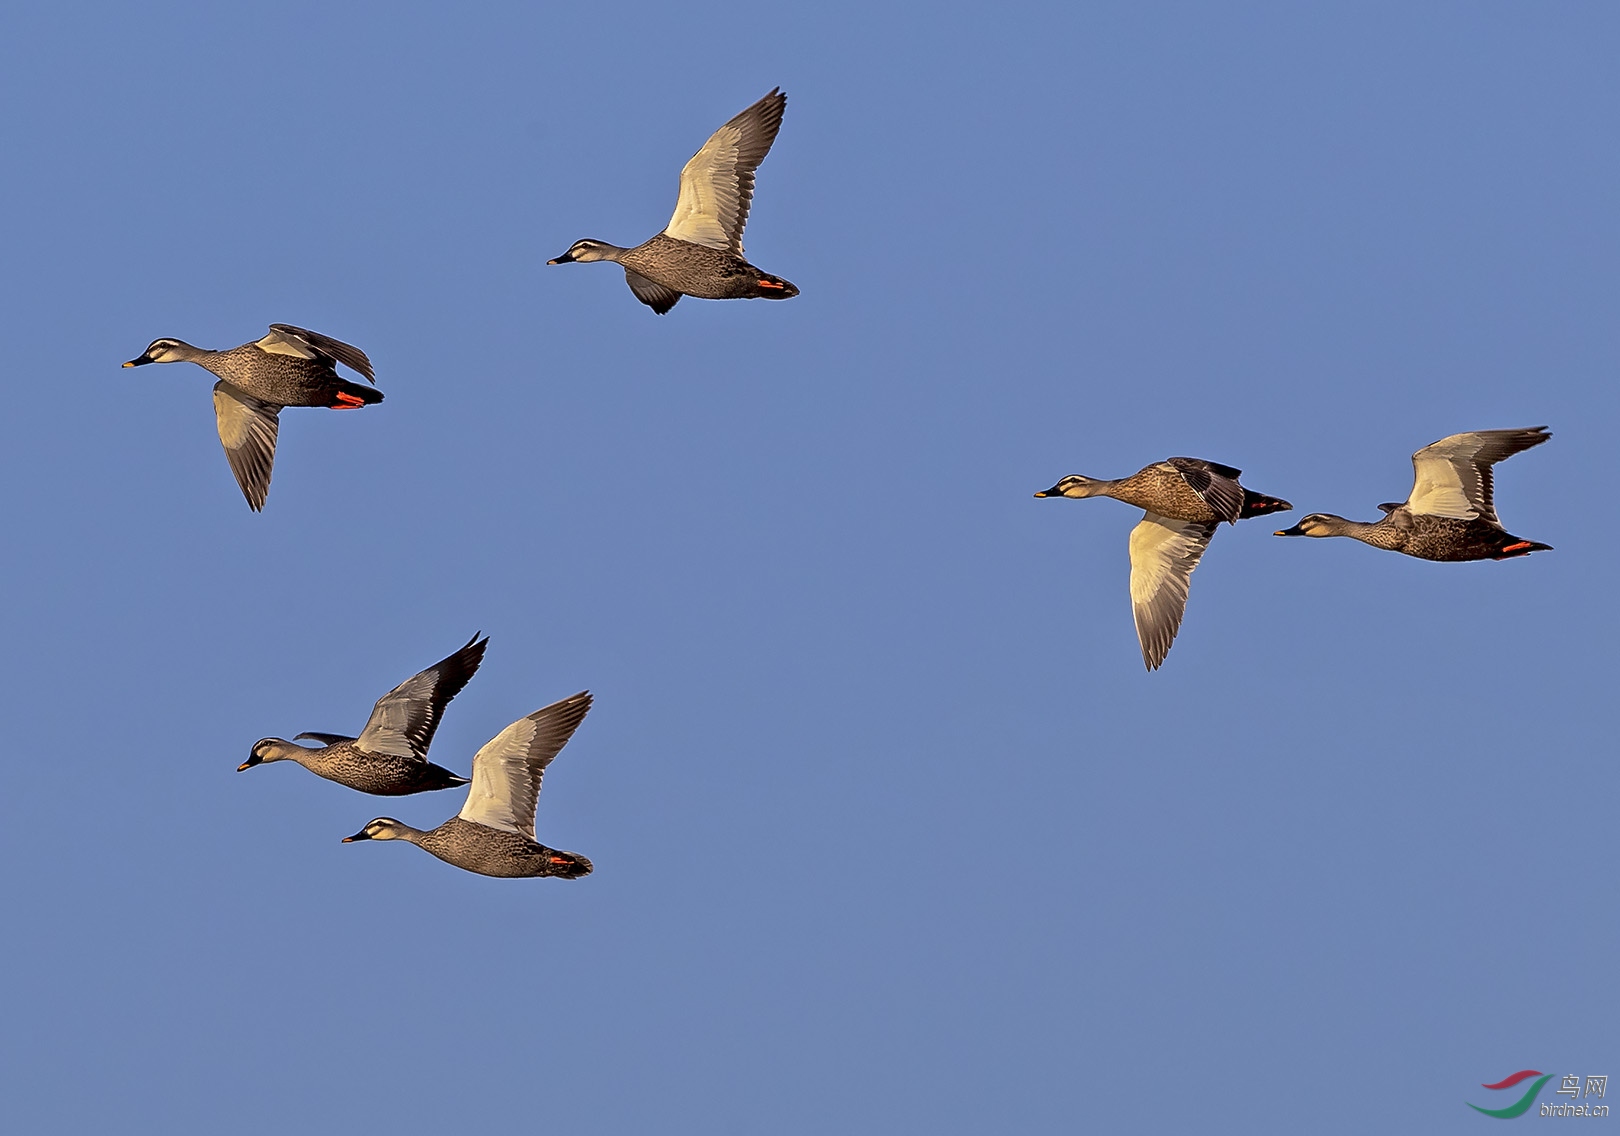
(892,832)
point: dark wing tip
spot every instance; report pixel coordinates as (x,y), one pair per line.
(255,488)
(1526,436)
(459,667)
(451,674)
(768,113)
(571,711)
(1157,649)
(346,353)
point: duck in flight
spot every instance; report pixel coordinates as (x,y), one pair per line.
(493,834)
(1184,501)
(289,367)
(700,251)
(389,758)
(1450,513)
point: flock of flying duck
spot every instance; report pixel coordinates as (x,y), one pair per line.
(1449,516)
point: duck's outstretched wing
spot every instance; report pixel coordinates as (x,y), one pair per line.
(403,721)
(657,297)
(285,339)
(1453,476)
(507,772)
(247,430)
(1216,484)
(1164,553)
(717,185)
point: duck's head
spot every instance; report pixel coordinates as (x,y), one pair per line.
(584,252)
(383,828)
(1314,524)
(1074,486)
(161,351)
(268,749)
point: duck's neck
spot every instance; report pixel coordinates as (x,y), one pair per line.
(604,251)
(288,751)
(403,831)
(1366,531)
(1077,486)
(183,352)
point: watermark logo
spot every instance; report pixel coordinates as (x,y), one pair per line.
(1520,1106)
(1569,1085)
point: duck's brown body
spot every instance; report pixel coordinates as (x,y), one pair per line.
(700,251)
(1183,501)
(1184,489)
(708,274)
(291,366)
(389,758)
(1425,536)
(285,380)
(496,852)
(1450,515)
(381,774)
(493,834)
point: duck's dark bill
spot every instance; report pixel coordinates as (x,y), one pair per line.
(139,361)
(1295,531)
(361,835)
(563,259)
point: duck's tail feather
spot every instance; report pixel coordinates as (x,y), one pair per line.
(568,865)
(1520,548)
(352,395)
(1258,505)
(774,287)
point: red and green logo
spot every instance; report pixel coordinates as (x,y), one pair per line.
(1520,1106)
